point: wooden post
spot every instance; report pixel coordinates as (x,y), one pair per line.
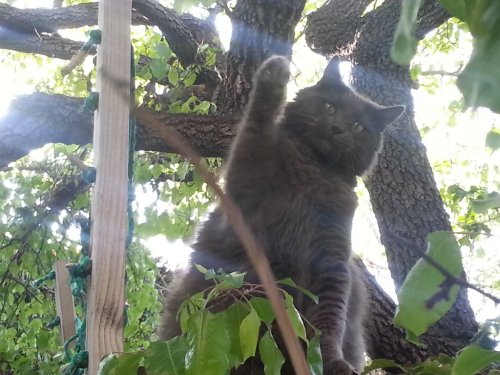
(64,301)
(105,312)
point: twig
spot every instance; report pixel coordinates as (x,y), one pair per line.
(26,286)
(442,72)
(254,251)
(225,7)
(450,279)
(458,280)
(77,162)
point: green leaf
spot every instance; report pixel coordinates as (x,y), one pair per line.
(200,268)
(381,364)
(481,206)
(124,364)
(163,50)
(314,358)
(433,366)
(81,201)
(263,308)
(183,170)
(404,45)
(480,79)
(232,280)
(493,139)
(204,105)
(190,79)
(249,334)
(297,323)
(158,68)
(173,76)
(270,355)
(166,357)
(190,306)
(455,7)
(156,170)
(424,283)
(473,358)
(209,344)
(43,340)
(233,316)
(288,281)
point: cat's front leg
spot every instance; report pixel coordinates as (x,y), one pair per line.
(269,91)
(332,285)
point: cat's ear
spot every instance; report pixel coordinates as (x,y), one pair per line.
(388,115)
(332,72)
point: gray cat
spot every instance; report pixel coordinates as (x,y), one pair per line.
(292,171)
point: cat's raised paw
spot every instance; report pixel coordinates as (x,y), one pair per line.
(274,72)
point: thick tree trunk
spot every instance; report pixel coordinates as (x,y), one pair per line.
(261,28)
(402,189)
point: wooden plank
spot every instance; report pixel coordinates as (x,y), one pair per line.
(64,301)
(105,312)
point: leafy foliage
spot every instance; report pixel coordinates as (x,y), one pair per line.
(427,294)
(42,200)
(405,43)
(215,340)
(480,78)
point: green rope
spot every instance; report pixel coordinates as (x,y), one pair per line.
(56,322)
(79,272)
(78,360)
(85,234)
(91,102)
(95,38)
(50,276)
(131,155)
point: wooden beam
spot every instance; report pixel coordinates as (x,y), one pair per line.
(105,312)
(64,301)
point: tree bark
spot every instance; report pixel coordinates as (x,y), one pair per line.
(402,188)
(37,119)
(261,28)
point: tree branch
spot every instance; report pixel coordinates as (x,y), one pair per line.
(332,27)
(175,30)
(25,30)
(59,118)
(51,45)
(49,20)
(338,25)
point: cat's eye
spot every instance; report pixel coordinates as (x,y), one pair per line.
(329,108)
(357,127)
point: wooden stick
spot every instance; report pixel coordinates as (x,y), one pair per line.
(254,251)
(105,312)
(64,301)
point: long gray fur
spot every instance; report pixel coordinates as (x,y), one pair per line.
(292,170)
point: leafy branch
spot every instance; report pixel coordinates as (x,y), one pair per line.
(450,279)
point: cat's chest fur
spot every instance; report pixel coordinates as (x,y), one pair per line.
(293,204)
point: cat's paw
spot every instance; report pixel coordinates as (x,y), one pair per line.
(274,74)
(338,367)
